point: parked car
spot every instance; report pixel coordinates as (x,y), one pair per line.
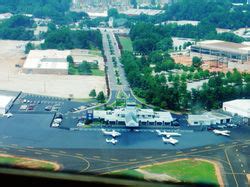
(48,108)
(231,125)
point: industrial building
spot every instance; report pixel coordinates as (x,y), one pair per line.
(47,62)
(5,103)
(239,107)
(222,51)
(207,119)
(133,117)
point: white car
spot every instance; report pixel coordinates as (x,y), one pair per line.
(80,124)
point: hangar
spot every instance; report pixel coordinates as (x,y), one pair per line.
(239,107)
(5,103)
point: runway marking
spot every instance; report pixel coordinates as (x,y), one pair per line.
(208,147)
(20,150)
(179,152)
(164,154)
(56,156)
(78,154)
(37,153)
(193,149)
(231,168)
(114,159)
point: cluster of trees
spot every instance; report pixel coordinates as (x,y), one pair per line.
(17,28)
(220,13)
(57,10)
(64,38)
(147,38)
(156,91)
(100,97)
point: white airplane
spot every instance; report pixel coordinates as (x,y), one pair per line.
(112,133)
(170,140)
(222,132)
(167,134)
(8,115)
(113,141)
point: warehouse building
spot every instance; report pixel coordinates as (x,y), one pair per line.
(133,117)
(47,62)
(5,103)
(239,107)
(223,51)
(209,118)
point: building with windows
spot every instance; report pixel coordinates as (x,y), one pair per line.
(209,118)
(222,51)
(131,116)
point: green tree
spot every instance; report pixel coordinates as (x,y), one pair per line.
(70,59)
(196,62)
(92,93)
(101,98)
(29,46)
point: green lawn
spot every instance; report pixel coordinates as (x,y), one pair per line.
(97,72)
(126,43)
(191,171)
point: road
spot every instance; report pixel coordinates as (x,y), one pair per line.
(115,88)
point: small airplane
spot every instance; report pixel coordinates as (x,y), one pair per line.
(8,115)
(167,134)
(113,141)
(222,132)
(112,133)
(170,140)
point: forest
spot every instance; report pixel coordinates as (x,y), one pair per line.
(17,28)
(64,38)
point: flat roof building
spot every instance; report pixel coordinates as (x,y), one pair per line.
(207,119)
(47,62)
(239,107)
(5,103)
(133,117)
(222,50)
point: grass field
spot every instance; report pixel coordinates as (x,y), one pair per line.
(126,43)
(27,163)
(189,170)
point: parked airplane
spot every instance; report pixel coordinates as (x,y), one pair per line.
(222,132)
(8,115)
(170,140)
(113,141)
(167,134)
(112,133)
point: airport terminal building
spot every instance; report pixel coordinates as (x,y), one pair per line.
(226,51)
(133,117)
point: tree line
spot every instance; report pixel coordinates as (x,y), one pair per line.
(155,90)
(64,38)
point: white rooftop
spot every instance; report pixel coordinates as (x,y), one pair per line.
(5,100)
(241,104)
(47,59)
